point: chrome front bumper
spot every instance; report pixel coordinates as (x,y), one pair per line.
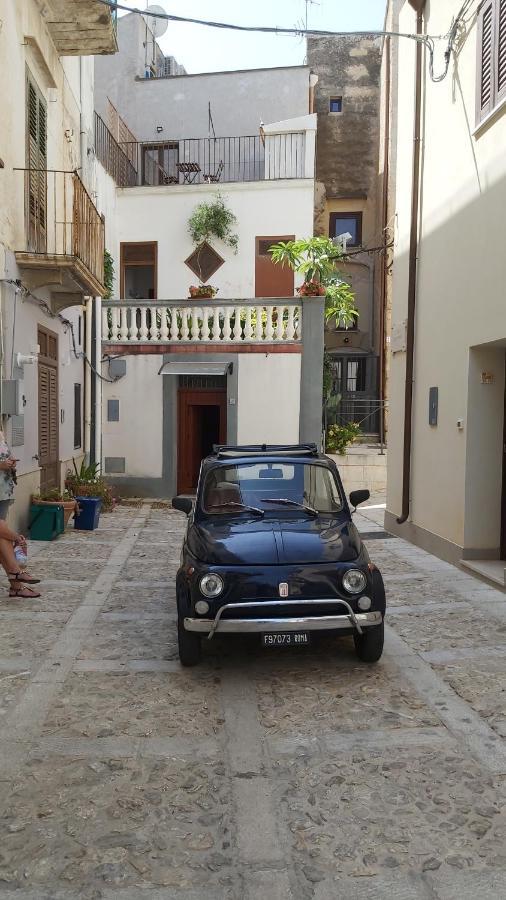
(350,619)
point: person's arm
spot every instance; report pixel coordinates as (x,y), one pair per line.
(7,534)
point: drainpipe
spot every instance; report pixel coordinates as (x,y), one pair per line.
(385,218)
(82,126)
(98,383)
(413,256)
(87,380)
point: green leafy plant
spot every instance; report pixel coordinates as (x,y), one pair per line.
(315,258)
(340,303)
(213,220)
(54,495)
(87,472)
(108,275)
(339,437)
(99,488)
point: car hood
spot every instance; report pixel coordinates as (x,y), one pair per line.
(274,541)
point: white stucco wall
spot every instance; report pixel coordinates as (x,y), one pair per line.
(25,44)
(268,398)
(138,434)
(456,473)
(161,214)
(180,105)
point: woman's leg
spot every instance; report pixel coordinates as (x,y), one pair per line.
(19,582)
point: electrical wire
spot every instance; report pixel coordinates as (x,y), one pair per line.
(427,40)
(67,324)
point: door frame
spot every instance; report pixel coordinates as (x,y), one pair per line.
(187,397)
(143,262)
(50,363)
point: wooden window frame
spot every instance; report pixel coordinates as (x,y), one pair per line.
(352,214)
(147,262)
(497,90)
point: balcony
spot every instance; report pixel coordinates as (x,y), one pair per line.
(64,237)
(192,161)
(149,326)
(85,28)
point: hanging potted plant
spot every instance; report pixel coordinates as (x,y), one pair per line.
(211,220)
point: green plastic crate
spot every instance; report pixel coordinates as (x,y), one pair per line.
(46,522)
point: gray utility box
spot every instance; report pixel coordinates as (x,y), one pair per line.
(13,397)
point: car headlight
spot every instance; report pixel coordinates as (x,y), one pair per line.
(211,585)
(354,581)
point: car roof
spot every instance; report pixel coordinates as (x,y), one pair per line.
(252,453)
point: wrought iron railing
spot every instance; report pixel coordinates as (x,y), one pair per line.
(62,220)
(201,160)
(114,160)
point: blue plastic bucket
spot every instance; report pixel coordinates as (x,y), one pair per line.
(89,513)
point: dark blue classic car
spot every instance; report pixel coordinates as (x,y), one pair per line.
(270,548)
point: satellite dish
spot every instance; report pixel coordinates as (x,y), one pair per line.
(156,26)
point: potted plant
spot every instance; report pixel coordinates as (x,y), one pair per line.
(202,291)
(86,482)
(62,498)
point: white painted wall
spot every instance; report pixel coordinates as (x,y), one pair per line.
(180,104)
(460,321)
(138,434)
(268,403)
(161,214)
(59,81)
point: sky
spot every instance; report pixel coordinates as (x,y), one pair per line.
(201,49)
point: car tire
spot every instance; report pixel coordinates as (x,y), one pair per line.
(189,644)
(369,644)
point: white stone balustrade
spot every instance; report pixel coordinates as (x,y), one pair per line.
(250,322)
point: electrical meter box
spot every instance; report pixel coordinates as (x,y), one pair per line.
(13,390)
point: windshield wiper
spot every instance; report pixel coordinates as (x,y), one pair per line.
(286,502)
(242,506)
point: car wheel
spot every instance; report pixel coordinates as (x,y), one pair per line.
(190,648)
(369,644)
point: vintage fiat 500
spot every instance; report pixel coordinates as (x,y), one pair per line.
(270,548)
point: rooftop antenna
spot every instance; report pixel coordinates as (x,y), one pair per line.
(306,21)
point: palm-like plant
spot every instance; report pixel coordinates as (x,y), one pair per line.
(315,258)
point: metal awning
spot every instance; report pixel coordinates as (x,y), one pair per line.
(196,368)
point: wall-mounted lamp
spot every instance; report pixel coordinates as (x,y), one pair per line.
(159,129)
(23,359)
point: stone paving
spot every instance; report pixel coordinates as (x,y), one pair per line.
(261,775)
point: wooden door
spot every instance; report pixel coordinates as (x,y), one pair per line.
(202,422)
(271,280)
(48,409)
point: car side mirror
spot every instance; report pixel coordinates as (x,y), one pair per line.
(183,504)
(357,497)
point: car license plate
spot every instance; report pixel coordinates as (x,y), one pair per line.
(285,639)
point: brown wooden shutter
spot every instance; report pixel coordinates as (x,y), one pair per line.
(271,280)
(501,50)
(485,87)
(37,164)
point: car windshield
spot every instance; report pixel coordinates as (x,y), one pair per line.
(305,488)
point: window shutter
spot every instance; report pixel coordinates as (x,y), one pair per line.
(501,50)
(36,114)
(485,89)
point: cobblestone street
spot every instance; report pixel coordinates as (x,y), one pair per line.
(260,774)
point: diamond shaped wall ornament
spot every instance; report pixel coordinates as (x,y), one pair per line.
(204,261)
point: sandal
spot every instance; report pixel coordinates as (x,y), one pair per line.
(23,577)
(24,593)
